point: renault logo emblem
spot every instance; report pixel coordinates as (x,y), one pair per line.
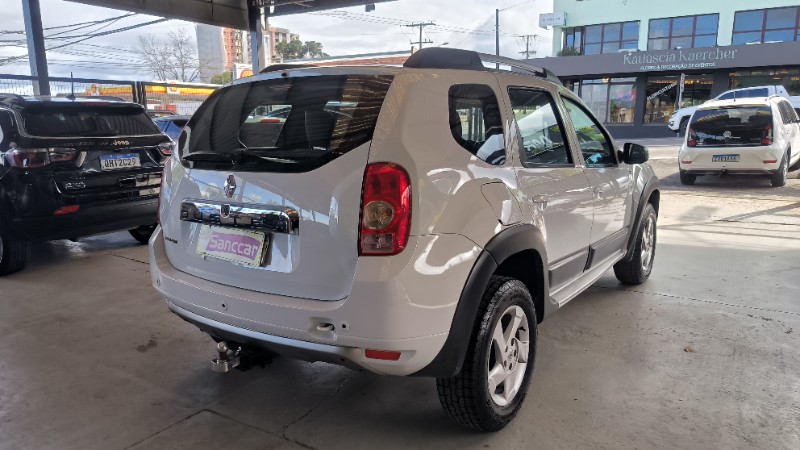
(230,186)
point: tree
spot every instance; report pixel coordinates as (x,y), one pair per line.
(569,51)
(314,49)
(295,49)
(222,78)
(173,58)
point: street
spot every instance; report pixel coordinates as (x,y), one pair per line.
(703,355)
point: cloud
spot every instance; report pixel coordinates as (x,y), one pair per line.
(462,23)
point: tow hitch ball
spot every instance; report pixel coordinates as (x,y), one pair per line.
(224,363)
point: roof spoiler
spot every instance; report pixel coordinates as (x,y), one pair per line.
(285,66)
(453,58)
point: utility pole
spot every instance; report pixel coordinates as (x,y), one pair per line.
(497,35)
(528,52)
(421,26)
(37,56)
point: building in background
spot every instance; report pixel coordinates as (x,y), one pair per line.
(220,49)
(276,35)
(396,58)
(637,61)
(210,51)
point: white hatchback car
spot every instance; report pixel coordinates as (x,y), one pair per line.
(422,226)
(756,136)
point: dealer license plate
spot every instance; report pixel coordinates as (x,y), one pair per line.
(240,246)
(119,161)
(724,158)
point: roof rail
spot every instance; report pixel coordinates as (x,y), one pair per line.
(453,58)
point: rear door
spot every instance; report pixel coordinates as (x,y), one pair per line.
(273,205)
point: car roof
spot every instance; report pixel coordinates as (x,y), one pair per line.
(743,101)
(172,118)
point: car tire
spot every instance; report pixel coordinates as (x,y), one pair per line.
(682,128)
(687,179)
(494,379)
(779,179)
(143,233)
(13,254)
(637,267)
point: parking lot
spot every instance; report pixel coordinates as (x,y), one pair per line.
(706,354)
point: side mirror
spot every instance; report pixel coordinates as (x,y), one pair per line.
(634,153)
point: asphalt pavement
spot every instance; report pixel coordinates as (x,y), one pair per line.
(705,354)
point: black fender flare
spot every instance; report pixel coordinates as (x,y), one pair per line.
(651,186)
(503,245)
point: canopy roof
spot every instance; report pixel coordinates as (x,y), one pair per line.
(223,13)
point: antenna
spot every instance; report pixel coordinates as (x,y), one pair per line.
(71,96)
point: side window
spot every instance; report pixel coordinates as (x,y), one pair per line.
(726,96)
(5,131)
(475,121)
(595,146)
(543,141)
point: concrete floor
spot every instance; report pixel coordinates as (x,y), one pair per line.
(706,354)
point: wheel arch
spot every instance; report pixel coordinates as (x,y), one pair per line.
(651,195)
(517,252)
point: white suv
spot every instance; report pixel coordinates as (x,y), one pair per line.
(422,226)
(757,136)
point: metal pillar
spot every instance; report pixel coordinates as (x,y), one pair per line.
(36,51)
(256,34)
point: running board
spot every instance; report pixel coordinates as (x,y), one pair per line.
(572,290)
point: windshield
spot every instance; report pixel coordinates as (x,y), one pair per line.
(286,125)
(744,125)
(87,121)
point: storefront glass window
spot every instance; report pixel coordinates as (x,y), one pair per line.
(604,38)
(663,92)
(611,100)
(789,77)
(766,25)
(683,32)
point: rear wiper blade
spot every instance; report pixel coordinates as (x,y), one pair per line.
(102,133)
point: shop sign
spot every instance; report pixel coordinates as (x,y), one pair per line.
(556,19)
(678,59)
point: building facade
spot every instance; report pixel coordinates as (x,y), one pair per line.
(220,49)
(210,51)
(634,62)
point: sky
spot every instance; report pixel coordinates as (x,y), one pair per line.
(465,24)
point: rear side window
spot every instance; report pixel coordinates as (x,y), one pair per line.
(763,92)
(742,125)
(87,120)
(475,122)
(5,130)
(288,124)
(543,141)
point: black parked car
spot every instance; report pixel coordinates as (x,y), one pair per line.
(75,167)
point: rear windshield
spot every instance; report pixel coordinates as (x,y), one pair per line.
(86,121)
(743,125)
(286,125)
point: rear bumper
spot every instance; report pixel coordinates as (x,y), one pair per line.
(85,222)
(409,312)
(751,160)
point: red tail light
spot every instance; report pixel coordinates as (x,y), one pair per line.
(691,140)
(766,135)
(270,121)
(31,158)
(384,355)
(385,210)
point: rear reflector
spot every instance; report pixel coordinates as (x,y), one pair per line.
(67,210)
(686,162)
(770,161)
(384,355)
